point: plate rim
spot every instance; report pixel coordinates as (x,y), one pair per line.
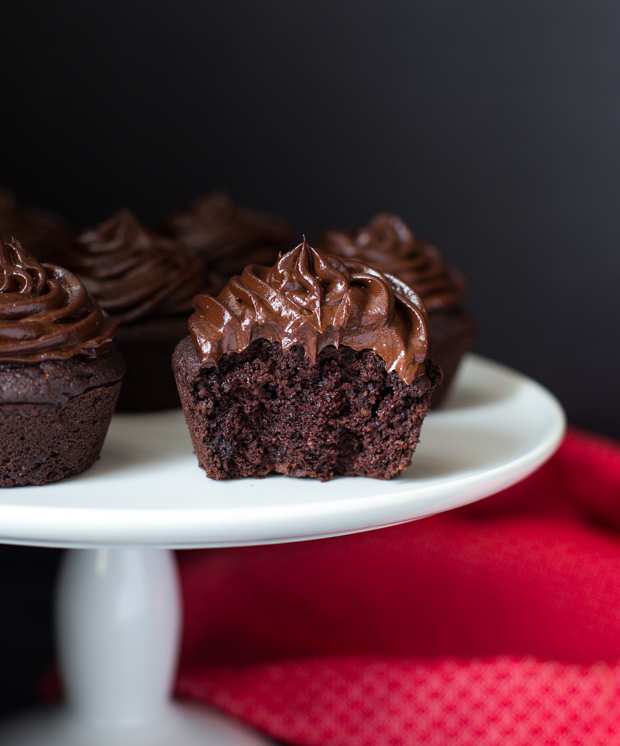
(88,526)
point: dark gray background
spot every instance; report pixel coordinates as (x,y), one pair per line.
(491,127)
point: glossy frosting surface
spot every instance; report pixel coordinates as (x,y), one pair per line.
(46,313)
(388,244)
(134,273)
(312,299)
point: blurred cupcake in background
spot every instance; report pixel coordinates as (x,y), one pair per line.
(229,236)
(147,283)
(42,232)
(390,246)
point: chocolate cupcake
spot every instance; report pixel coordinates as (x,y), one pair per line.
(147,283)
(229,236)
(44,233)
(59,374)
(314,367)
(390,246)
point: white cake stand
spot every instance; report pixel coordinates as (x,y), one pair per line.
(118,599)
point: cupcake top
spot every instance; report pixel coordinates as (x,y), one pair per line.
(388,244)
(46,312)
(134,273)
(228,235)
(43,232)
(312,299)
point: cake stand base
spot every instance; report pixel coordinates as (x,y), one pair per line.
(118,625)
(118,600)
(178,725)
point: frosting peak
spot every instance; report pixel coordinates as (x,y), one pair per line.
(19,272)
(388,244)
(308,281)
(312,299)
(119,231)
(45,312)
(134,273)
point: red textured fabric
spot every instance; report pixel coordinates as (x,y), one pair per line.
(494,624)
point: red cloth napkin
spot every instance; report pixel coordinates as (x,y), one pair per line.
(498,623)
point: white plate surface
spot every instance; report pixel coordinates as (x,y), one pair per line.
(496,427)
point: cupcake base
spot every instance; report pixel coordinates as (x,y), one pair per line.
(264,410)
(450,336)
(45,441)
(147,348)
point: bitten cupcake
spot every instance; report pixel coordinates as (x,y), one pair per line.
(59,373)
(44,233)
(313,367)
(147,283)
(390,246)
(229,236)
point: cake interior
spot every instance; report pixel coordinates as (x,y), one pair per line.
(266,410)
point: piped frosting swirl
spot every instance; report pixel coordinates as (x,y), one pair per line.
(312,299)
(388,244)
(134,273)
(46,313)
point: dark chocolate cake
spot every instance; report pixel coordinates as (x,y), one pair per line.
(390,246)
(147,283)
(59,374)
(314,367)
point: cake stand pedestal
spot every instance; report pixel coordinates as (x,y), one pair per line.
(118,605)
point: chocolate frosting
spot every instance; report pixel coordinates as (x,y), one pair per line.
(46,312)
(388,244)
(43,233)
(311,299)
(229,236)
(134,273)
